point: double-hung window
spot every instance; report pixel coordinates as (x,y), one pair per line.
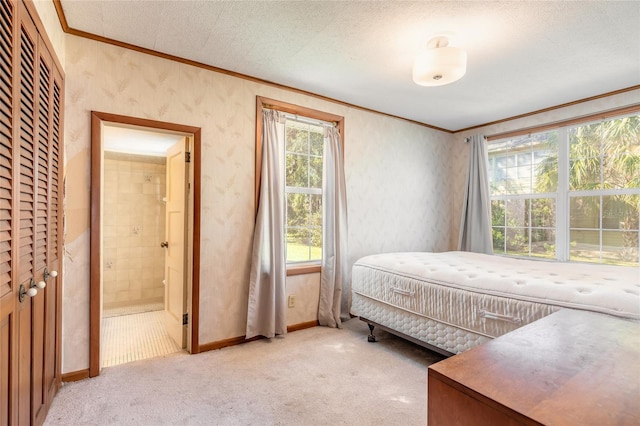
(304,131)
(571,193)
(303,189)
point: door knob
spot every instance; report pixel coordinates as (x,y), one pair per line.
(164,244)
(41,284)
(24,292)
(48,274)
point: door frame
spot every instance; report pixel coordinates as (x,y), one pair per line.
(95,299)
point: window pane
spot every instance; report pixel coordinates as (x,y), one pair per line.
(497,234)
(304,244)
(518,241)
(620,212)
(622,170)
(525,165)
(297,209)
(297,170)
(545,177)
(297,137)
(497,213)
(620,248)
(298,247)
(584,154)
(584,174)
(316,140)
(524,159)
(316,244)
(584,212)
(585,246)
(585,141)
(517,213)
(524,174)
(543,212)
(315,172)
(543,243)
(316,210)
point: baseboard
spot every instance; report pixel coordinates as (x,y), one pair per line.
(74,376)
(301,326)
(212,346)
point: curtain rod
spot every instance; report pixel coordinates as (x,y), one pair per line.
(302,119)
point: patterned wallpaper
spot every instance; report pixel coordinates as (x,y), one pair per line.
(396,178)
(49,17)
(404,182)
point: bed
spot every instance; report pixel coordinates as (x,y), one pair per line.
(453,301)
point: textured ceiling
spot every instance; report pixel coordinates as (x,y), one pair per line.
(522,56)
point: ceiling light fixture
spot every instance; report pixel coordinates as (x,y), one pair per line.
(440,63)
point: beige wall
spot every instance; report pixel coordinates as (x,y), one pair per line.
(396,173)
(49,17)
(404,182)
(459,149)
(133,228)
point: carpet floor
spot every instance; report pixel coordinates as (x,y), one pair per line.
(317,376)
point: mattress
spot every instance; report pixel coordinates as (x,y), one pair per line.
(457,300)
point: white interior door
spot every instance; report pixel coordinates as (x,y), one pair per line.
(175,248)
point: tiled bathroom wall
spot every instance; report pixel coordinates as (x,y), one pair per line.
(134,227)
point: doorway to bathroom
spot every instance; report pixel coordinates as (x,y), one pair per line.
(144,196)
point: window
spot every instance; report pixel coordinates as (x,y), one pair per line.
(303,189)
(304,146)
(572,193)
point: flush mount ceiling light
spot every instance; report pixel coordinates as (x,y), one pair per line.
(440,63)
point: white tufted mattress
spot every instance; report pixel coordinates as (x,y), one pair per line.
(457,300)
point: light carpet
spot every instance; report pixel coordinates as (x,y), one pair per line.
(317,376)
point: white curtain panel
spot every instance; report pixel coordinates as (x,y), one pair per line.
(475,226)
(334,280)
(266,315)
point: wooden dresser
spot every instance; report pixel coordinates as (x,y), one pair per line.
(570,368)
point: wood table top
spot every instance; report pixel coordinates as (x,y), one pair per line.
(571,367)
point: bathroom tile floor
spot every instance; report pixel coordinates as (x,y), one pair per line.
(134,309)
(134,336)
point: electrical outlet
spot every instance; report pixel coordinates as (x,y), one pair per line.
(292,301)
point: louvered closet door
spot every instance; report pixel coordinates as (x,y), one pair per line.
(31,95)
(41,221)
(47,227)
(7,290)
(27,187)
(53,293)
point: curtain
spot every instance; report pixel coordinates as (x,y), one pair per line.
(266,314)
(334,279)
(475,226)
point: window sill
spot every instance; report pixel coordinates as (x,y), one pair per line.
(303,269)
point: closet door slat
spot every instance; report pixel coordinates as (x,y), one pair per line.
(6,145)
(42,159)
(56,107)
(27,155)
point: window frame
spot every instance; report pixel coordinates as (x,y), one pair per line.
(297,268)
(564,194)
